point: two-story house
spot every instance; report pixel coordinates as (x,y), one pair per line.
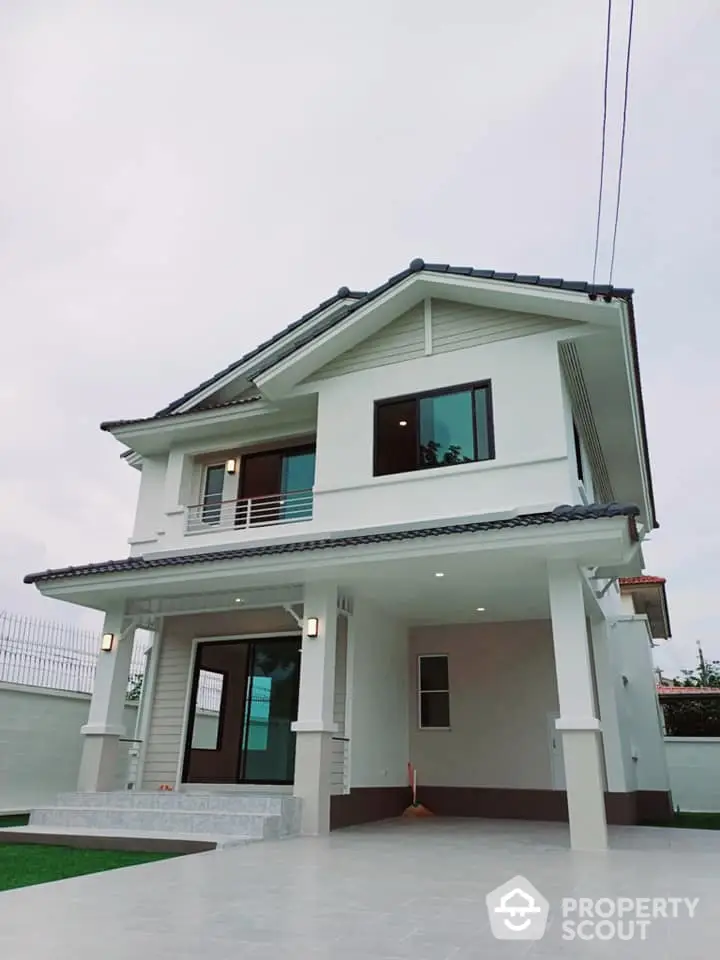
(393,533)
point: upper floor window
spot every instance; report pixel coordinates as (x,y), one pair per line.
(437,429)
(213,493)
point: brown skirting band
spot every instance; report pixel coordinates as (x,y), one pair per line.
(366,804)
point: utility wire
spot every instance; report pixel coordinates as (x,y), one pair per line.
(604,131)
(622,139)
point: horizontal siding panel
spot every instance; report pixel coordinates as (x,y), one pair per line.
(402,339)
(456,326)
(168,712)
(339,751)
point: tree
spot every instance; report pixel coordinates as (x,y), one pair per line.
(134,687)
(429,454)
(705,674)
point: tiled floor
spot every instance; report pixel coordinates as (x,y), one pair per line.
(393,890)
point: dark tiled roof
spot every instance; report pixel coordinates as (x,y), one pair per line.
(561,514)
(343,294)
(361,299)
(201,408)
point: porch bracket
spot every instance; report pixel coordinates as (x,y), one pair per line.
(298,619)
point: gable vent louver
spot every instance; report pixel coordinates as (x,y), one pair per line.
(585,422)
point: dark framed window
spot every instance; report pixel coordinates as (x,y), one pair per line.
(275,486)
(213,493)
(433,692)
(441,428)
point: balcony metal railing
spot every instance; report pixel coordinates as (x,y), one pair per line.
(212,516)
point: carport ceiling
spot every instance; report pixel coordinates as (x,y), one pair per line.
(411,591)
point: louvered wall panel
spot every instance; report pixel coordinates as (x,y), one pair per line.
(168,709)
(585,422)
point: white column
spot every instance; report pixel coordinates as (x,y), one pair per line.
(100,762)
(607,680)
(315,726)
(578,723)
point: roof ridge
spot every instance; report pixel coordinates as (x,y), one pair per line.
(361,298)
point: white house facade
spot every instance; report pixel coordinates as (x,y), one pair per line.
(394,534)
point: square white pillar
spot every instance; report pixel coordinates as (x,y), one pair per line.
(315,724)
(100,762)
(578,723)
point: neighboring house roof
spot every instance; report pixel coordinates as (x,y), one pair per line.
(639,581)
(650,598)
(688,691)
(562,514)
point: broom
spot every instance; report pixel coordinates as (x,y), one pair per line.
(415,809)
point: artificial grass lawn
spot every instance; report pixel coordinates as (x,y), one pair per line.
(19,820)
(22,865)
(697,821)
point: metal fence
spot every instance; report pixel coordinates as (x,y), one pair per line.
(40,653)
(58,656)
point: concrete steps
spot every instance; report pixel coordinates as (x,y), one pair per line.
(214,817)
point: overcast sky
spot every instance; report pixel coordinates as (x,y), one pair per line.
(180,179)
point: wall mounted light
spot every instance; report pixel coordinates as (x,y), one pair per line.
(231,465)
(402,423)
(107,642)
(312,627)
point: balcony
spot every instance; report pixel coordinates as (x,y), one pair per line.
(209,517)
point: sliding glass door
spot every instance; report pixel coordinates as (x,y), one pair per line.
(244,701)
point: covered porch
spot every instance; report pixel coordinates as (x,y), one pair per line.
(481,654)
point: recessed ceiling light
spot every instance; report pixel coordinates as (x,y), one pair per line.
(403,423)
(439,574)
(239,600)
(481,609)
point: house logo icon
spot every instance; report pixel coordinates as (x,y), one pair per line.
(517,911)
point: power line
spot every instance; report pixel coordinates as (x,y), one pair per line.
(622,139)
(604,131)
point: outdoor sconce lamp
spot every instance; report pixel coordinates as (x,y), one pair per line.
(107,642)
(311,627)
(231,465)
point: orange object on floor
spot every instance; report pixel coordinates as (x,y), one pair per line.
(415,809)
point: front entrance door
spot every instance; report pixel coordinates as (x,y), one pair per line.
(244,700)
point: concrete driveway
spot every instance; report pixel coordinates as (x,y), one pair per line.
(392,890)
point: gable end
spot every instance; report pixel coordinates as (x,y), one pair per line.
(403,339)
(457,326)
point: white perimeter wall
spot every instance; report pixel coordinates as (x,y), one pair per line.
(694,765)
(502,694)
(378,697)
(41,743)
(640,716)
